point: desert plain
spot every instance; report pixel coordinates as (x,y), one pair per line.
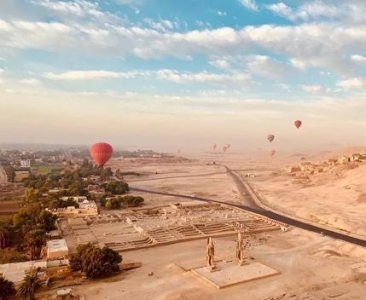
(308,265)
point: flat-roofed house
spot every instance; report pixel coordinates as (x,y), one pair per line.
(57,249)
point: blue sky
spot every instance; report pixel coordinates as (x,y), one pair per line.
(171,73)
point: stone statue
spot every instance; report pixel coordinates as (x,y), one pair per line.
(210,253)
(239,248)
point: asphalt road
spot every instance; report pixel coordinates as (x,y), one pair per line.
(250,205)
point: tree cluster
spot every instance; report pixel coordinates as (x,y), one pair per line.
(30,225)
(27,228)
(116,187)
(58,203)
(72,183)
(95,262)
(126,201)
(10,173)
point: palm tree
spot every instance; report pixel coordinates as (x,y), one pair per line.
(35,240)
(30,285)
(4,236)
(7,288)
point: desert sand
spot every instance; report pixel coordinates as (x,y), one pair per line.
(311,266)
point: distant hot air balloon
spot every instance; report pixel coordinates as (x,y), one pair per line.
(224,148)
(214,146)
(270,137)
(297,123)
(228,146)
(101,153)
(271,152)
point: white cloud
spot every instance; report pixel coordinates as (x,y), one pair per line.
(358,58)
(265,66)
(250,4)
(352,83)
(83,9)
(162,25)
(260,65)
(220,63)
(221,13)
(77,7)
(90,75)
(179,77)
(30,81)
(282,10)
(325,73)
(320,45)
(298,63)
(313,88)
(164,74)
(284,86)
(350,11)
(315,45)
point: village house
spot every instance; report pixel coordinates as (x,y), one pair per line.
(86,207)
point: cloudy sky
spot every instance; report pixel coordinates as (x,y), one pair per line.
(183,74)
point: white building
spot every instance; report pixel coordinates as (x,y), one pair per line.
(86,207)
(25,163)
(57,249)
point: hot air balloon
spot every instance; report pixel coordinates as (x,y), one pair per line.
(214,146)
(270,137)
(224,148)
(271,152)
(297,123)
(228,146)
(101,153)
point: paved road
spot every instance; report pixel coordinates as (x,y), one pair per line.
(176,177)
(250,205)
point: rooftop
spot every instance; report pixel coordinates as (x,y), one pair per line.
(16,271)
(57,245)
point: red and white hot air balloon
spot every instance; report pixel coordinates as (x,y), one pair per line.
(224,148)
(101,153)
(298,123)
(270,137)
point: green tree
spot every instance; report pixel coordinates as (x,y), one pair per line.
(95,262)
(29,286)
(10,173)
(35,240)
(7,288)
(116,187)
(4,235)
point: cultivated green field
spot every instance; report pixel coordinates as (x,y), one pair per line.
(47,169)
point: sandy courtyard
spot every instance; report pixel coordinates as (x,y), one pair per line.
(309,265)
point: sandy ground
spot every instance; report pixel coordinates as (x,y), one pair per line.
(192,178)
(308,264)
(311,266)
(336,198)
